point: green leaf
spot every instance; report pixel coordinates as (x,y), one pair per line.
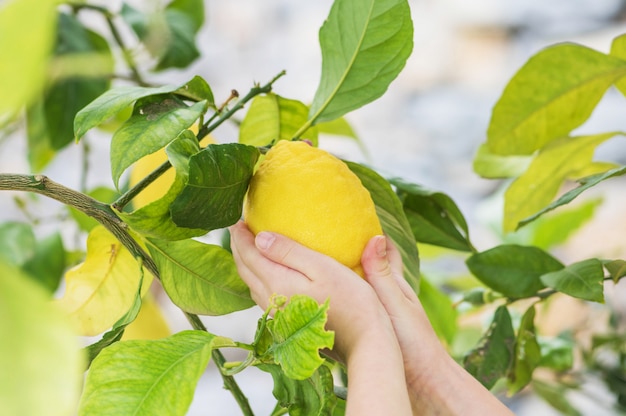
(26,40)
(180,49)
(40,151)
(154,220)
(439,309)
(392,219)
(65,97)
(494,166)
(298,333)
(272,118)
(584,280)
(556,396)
(156,121)
(47,264)
(311,396)
(616,268)
(569,196)
(217,183)
(365,45)
(41,363)
(491,359)
(200,278)
(527,354)
(117,99)
(148,377)
(513,270)
(540,183)
(17,242)
(552,94)
(434,217)
(197,90)
(556,353)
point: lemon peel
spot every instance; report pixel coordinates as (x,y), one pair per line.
(312,197)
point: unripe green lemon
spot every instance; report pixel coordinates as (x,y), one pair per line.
(312,197)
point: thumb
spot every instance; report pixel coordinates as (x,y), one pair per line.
(383,270)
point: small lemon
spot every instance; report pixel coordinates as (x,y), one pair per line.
(312,197)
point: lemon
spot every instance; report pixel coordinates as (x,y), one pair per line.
(312,197)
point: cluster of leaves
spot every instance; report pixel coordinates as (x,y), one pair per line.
(364,47)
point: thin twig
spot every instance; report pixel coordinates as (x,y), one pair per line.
(206,129)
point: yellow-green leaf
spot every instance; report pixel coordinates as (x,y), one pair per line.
(540,183)
(39,354)
(101,290)
(26,39)
(552,94)
(149,324)
(298,333)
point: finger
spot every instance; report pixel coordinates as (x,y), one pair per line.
(382,274)
(289,253)
(263,275)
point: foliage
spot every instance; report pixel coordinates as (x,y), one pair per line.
(364,44)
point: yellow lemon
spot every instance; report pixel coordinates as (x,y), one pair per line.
(312,197)
(157,189)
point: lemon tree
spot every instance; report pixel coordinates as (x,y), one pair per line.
(155,235)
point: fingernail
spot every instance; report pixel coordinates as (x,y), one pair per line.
(264,240)
(381,246)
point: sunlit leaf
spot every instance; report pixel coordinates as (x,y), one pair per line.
(39,353)
(583,279)
(148,377)
(513,270)
(365,44)
(392,219)
(552,94)
(117,331)
(527,354)
(156,121)
(298,333)
(101,290)
(200,278)
(337,127)
(490,360)
(494,166)
(272,118)
(311,396)
(218,180)
(26,41)
(541,182)
(566,198)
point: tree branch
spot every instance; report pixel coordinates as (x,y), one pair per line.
(105,215)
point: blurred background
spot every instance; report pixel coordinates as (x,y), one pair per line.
(426,128)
